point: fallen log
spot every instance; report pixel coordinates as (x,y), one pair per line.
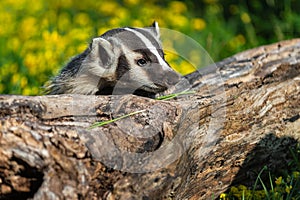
(243,115)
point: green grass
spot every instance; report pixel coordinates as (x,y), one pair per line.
(165,97)
(285,186)
(172,96)
(102,123)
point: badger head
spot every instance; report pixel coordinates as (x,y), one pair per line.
(123,60)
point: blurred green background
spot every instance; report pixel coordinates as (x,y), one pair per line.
(38,37)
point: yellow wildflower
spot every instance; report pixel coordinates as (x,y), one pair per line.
(237,41)
(137,23)
(36,6)
(278,180)
(30,62)
(15,79)
(7,21)
(178,20)
(82,19)
(198,24)
(81,47)
(63,22)
(27,91)
(186,67)
(132,2)
(288,189)
(23,82)
(245,18)
(15,44)
(178,7)
(108,8)
(296,174)
(66,3)
(28,27)
(223,196)
(171,55)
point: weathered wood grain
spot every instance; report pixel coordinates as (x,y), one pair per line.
(244,115)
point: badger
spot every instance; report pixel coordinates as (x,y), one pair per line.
(120,61)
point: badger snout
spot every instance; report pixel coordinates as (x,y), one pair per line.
(163,78)
(172,78)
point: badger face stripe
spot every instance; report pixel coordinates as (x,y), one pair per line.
(148,55)
(151,48)
(152,39)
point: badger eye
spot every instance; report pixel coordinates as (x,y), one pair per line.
(141,62)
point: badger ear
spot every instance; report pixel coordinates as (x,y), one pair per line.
(155,29)
(102,52)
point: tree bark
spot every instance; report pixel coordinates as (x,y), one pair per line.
(243,115)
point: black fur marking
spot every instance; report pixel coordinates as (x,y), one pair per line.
(148,55)
(104,57)
(123,66)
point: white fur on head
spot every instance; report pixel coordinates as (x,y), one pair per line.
(102,60)
(100,63)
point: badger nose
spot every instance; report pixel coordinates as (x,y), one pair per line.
(164,76)
(172,77)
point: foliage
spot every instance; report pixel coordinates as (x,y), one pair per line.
(285,186)
(38,37)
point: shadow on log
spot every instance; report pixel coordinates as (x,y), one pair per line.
(245,111)
(272,152)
